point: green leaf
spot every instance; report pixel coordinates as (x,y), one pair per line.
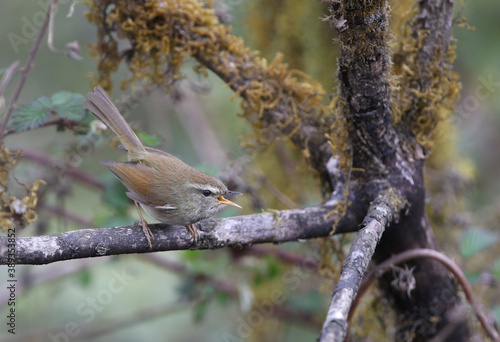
(476,240)
(149,140)
(69,105)
(31,116)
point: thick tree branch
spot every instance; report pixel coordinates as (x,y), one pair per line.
(381,212)
(279,226)
(428,87)
(309,133)
(364,69)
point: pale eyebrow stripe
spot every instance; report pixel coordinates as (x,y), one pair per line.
(204,187)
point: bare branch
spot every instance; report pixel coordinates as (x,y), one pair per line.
(60,168)
(279,226)
(380,214)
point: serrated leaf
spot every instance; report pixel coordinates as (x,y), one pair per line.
(31,116)
(475,240)
(69,105)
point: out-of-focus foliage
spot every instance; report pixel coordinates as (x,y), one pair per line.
(234,287)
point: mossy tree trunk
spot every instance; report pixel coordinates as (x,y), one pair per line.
(369,152)
(388,155)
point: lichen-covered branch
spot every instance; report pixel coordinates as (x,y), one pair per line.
(280,103)
(382,211)
(280,226)
(427,88)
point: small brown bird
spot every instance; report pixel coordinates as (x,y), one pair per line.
(168,189)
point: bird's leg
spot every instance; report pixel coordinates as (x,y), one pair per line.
(145,228)
(194,232)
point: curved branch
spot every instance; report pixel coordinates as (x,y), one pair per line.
(447,262)
(279,226)
(277,101)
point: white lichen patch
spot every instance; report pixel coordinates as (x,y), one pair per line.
(19,207)
(44,244)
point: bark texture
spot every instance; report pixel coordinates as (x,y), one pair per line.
(279,226)
(388,155)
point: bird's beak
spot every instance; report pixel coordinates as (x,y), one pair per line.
(222,200)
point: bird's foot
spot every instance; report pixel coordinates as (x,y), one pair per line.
(147,232)
(194,232)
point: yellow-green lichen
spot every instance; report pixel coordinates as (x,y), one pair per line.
(15,212)
(163,34)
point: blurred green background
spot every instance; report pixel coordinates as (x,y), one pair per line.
(146,301)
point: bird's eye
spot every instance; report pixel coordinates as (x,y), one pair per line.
(207,193)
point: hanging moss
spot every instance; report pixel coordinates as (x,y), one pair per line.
(425,94)
(163,34)
(296,29)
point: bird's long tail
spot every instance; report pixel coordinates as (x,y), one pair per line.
(103,108)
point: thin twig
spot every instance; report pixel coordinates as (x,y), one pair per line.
(282,312)
(8,75)
(447,262)
(67,215)
(73,48)
(285,256)
(278,194)
(69,124)
(27,68)
(193,118)
(62,169)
